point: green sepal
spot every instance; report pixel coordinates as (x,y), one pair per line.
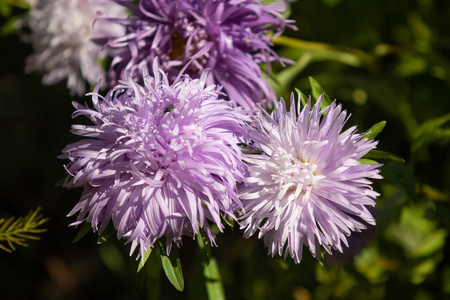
(375,130)
(317,90)
(379,154)
(172,267)
(106,234)
(205,245)
(85,228)
(143,260)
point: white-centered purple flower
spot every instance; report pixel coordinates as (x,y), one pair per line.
(160,160)
(230,37)
(307,187)
(61,36)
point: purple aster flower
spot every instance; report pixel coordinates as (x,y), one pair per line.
(61,35)
(159,160)
(230,37)
(307,187)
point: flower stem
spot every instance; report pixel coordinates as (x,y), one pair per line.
(213,281)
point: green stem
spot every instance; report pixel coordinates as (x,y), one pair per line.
(213,281)
(363,58)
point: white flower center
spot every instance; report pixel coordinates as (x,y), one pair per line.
(293,175)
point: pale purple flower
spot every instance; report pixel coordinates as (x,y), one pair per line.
(307,187)
(62,34)
(160,160)
(230,37)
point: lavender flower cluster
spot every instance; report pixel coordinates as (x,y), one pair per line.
(182,139)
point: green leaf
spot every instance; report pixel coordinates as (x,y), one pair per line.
(106,234)
(375,130)
(143,260)
(213,281)
(172,267)
(205,245)
(85,228)
(303,99)
(317,91)
(366,161)
(379,154)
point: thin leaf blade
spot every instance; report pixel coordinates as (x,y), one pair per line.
(172,268)
(317,91)
(85,228)
(375,130)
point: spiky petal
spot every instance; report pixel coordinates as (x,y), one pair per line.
(308,187)
(230,37)
(160,160)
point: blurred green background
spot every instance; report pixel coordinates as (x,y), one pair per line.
(382,59)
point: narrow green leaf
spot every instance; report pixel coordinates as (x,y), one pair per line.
(213,281)
(85,228)
(303,99)
(5,249)
(317,90)
(143,260)
(172,267)
(205,245)
(6,224)
(375,130)
(379,154)
(106,234)
(366,161)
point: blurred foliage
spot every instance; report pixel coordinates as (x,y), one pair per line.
(384,60)
(9,9)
